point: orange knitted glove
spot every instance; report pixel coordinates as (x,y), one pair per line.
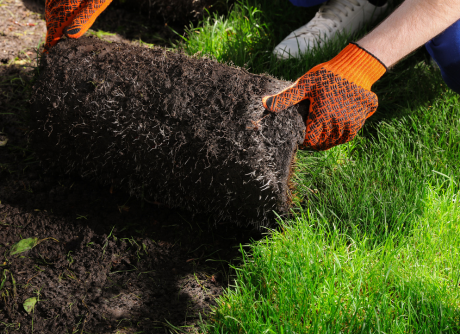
(339,94)
(70,17)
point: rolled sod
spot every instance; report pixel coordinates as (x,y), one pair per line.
(182,11)
(171,10)
(185,132)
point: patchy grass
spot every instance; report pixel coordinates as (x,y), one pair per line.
(373,245)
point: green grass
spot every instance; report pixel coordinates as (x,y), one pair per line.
(374,243)
(236,38)
(246,36)
(311,277)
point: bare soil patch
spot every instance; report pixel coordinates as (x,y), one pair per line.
(110,263)
(23,28)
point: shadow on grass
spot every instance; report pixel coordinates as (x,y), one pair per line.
(395,305)
(412,83)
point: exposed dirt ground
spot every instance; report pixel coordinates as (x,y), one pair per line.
(106,263)
(22,28)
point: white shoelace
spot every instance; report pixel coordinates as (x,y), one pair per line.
(327,17)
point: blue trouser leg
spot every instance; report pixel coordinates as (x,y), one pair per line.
(306,3)
(445,50)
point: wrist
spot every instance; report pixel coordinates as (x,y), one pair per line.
(356,65)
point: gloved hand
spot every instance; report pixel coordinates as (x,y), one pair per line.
(70,17)
(339,94)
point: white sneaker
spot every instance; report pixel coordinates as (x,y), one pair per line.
(333,17)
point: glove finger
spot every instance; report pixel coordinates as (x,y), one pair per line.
(86,17)
(295,93)
(317,130)
(58,14)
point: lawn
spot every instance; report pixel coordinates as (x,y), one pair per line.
(373,244)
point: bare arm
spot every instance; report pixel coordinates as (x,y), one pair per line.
(411,25)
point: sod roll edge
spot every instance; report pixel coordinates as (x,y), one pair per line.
(185,132)
(166,11)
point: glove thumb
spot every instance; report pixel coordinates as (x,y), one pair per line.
(298,91)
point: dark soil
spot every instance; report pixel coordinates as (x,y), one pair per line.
(185,132)
(112,263)
(107,262)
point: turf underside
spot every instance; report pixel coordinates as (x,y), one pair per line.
(185,132)
(166,11)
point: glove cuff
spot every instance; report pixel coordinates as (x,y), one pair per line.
(357,65)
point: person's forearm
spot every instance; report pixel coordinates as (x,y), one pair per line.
(411,25)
